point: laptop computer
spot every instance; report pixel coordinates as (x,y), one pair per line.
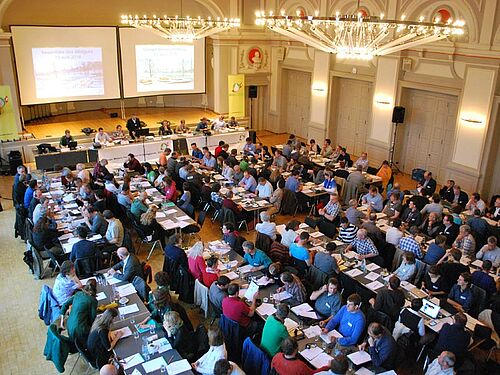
(430,309)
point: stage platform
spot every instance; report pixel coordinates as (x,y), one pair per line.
(55,126)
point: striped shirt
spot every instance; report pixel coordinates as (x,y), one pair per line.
(411,245)
(467,245)
(347,234)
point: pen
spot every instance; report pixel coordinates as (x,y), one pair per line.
(170,360)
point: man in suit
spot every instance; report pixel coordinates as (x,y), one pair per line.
(446,191)
(428,184)
(449,229)
(458,196)
(133,124)
(83,248)
(129,265)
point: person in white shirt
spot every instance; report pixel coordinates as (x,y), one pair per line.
(442,365)
(362,161)
(225,367)
(264,188)
(102,137)
(219,124)
(394,234)
(476,203)
(82,173)
(266,227)
(289,235)
(205,365)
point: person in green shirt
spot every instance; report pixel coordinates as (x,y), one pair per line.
(274,330)
(139,205)
(66,139)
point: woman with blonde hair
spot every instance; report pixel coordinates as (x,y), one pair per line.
(150,227)
(179,335)
(101,341)
(205,365)
(196,262)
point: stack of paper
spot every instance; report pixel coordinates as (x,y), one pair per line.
(281,228)
(246,268)
(303,226)
(168,224)
(358,358)
(178,367)
(100,296)
(374,285)
(321,360)
(126,332)
(312,331)
(160,214)
(408,286)
(266,309)
(305,310)
(316,234)
(264,280)
(290,324)
(231,275)
(350,254)
(372,267)
(252,290)
(364,371)
(310,354)
(128,309)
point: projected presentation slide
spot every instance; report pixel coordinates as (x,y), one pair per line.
(61,64)
(68,72)
(152,65)
(164,67)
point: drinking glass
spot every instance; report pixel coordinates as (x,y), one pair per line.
(152,329)
(136,334)
(163,369)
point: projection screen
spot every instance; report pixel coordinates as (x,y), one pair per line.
(60,64)
(152,65)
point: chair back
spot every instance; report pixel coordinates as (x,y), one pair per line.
(86,267)
(316,278)
(84,353)
(420,272)
(141,287)
(263,242)
(327,228)
(479,300)
(233,337)
(38,266)
(387,251)
(189,209)
(254,360)
(280,253)
(289,202)
(228,216)
(201,218)
(201,296)
(311,222)
(372,170)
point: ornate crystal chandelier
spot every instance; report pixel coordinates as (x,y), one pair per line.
(359,36)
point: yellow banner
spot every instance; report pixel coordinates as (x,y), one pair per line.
(8,127)
(236,92)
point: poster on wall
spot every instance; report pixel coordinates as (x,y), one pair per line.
(8,126)
(236,93)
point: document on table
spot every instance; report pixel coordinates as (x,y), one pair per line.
(182,224)
(178,366)
(266,309)
(160,214)
(360,357)
(246,268)
(171,211)
(303,226)
(136,372)
(354,272)
(111,280)
(126,332)
(372,276)
(327,337)
(223,266)
(316,234)
(318,248)
(128,309)
(312,331)
(70,206)
(321,360)
(282,296)
(350,254)
(162,345)
(155,364)
(477,263)
(95,237)
(374,285)
(304,307)
(252,290)
(264,280)
(408,286)
(311,353)
(290,324)
(67,247)
(100,296)
(363,371)
(183,218)
(126,290)
(168,224)
(65,236)
(231,275)
(372,267)
(151,191)
(132,361)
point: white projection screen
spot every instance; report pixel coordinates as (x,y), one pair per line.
(152,65)
(61,64)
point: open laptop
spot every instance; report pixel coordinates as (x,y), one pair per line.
(430,309)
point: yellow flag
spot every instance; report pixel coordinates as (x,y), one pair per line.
(236,91)
(8,127)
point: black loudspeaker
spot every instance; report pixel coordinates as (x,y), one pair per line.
(398,115)
(253,136)
(252,92)
(113,114)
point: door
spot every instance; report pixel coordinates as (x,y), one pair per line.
(428,131)
(351,113)
(296,100)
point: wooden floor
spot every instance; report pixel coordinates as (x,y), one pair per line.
(56,125)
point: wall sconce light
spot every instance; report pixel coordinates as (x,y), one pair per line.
(319,89)
(383,102)
(472,120)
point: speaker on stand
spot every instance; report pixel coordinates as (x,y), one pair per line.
(252,94)
(398,117)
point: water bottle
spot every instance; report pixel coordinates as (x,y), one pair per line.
(363,265)
(145,351)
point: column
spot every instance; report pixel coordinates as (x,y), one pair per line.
(223,65)
(319,96)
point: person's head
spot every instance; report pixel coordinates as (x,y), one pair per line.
(436,198)
(353,203)
(134,117)
(476,197)
(339,364)
(227,228)
(373,217)
(108,369)
(487,265)
(492,243)
(162,279)
(362,234)
(286,278)
(409,257)
(223,282)
(334,198)
(332,285)
(237,168)
(455,254)
(196,250)
(353,302)
(416,304)
(375,330)
(460,319)
(212,262)
(447,220)
(282,311)
(396,223)
(373,190)
(292,225)
(67,133)
(130,157)
(394,197)
(122,253)
(82,231)
(172,321)
(248,140)
(108,215)
(118,127)
(194,146)
(440,240)
(433,271)
(174,239)
(451,184)
(248,247)
(90,288)
(303,238)
(327,142)
(223,367)
(456,189)
(394,282)
(67,268)
(465,230)
(331,247)
(215,337)
(446,360)
(344,222)
(100,130)
(21,170)
(411,205)
(433,218)
(33,183)
(103,321)
(233,289)
(427,175)
(264,217)
(289,347)
(464,280)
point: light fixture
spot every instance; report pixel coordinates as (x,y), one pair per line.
(471,120)
(181,29)
(358,37)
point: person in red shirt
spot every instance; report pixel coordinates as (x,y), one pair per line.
(196,262)
(210,273)
(234,308)
(218,149)
(287,363)
(133,165)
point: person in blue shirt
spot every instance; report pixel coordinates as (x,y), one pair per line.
(298,249)
(373,199)
(248,182)
(436,250)
(208,161)
(460,296)
(249,148)
(196,152)
(202,125)
(329,183)
(482,279)
(255,257)
(381,346)
(327,301)
(349,322)
(292,182)
(83,248)
(28,194)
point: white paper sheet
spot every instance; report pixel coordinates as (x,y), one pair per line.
(182,224)
(136,372)
(132,361)
(95,237)
(408,286)
(312,331)
(231,275)
(128,309)
(154,364)
(264,280)
(67,247)
(363,371)
(310,354)
(65,236)
(374,285)
(183,218)
(100,296)
(321,360)
(304,307)
(354,272)
(126,290)
(160,214)
(290,324)
(477,263)
(171,211)
(253,289)
(266,309)
(372,276)
(360,357)
(246,268)
(178,366)
(350,254)
(126,332)
(162,345)
(316,234)
(327,337)
(282,296)
(372,267)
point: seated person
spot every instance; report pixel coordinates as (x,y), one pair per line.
(449,229)
(179,335)
(95,220)
(431,227)
(435,206)
(353,214)
(460,296)
(407,269)
(208,161)
(66,139)
(434,284)
(476,203)
(325,261)
(174,251)
(362,161)
(102,340)
(266,227)
(347,231)
(119,133)
(442,365)
(150,227)
(393,207)
(83,248)
(67,283)
(409,243)
(362,245)
(465,242)
(452,268)
(454,337)
(427,184)
(381,346)
(286,361)
(217,350)
(411,215)
(390,300)
(349,322)
(211,273)
(248,182)
(327,301)
(125,198)
(255,257)
(298,250)
(490,252)
(133,165)
(129,265)
(232,237)
(264,189)
(410,320)
(373,199)
(482,279)
(332,209)
(196,152)
(292,182)
(395,233)
(293,286)
(102,137)
(45,237)
(290,235)
(237,310)
(139,205)
(218,291)
(274,331)
(436,250)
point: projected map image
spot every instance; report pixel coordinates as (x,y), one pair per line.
(68,71)
(164,67)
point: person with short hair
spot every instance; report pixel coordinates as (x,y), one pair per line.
(102,340)
(67,282)
(325,261)
(460,296)
(436,250)
(427,184)
(490,252)
(132,164)
(482,279)
(434,284)
(249,147)
(407,269)
(452,268)
(349,322)
(394,233)
(66,139)
(292,183)
(381,346)
(299,251)
(83,248)
(362,245)
(255,257)
(353,214)
(373,199)
(390,300)
(101,137)
(476,203)
(410,320)
(248,182)
(328,300)
(286,362)
(129,265)
(211,273)
(393,207)
(332,208)
(442,365)
(237,310)
(411,215)
(275,331)
(454,337)
(347,231)
(264,188)
(205,365)
(265,226)
(409,243)
(339,365)
(464,241)
(95,220)
(218,291)
(293,286)
(435,206)
(225,367)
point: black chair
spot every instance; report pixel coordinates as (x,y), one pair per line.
(316,278)
(86,267)
(479,296)
(190,211)
(329,229)
(193,229)
(263,242)
(482,340)
(41,259)
(311,222)
(372,170)
(142,288)
(85,355)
